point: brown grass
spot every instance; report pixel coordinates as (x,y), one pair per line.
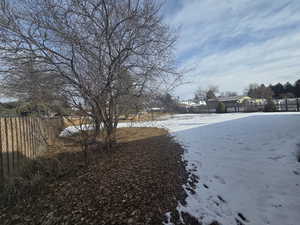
(144,117)
(75,121)
(134,134)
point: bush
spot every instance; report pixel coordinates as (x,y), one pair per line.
(270,106)
(221,108)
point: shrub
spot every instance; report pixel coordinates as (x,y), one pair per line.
(221,108)
(270,106)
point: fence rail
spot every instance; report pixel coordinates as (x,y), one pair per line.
(24,138)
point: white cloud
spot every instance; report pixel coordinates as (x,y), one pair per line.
(276,60)
(232,43)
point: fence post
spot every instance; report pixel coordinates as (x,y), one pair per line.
(24,138)
(21,136)
(12,142)
(298,107)
(31,136)
(27,137)
(36,143)
(286,105)
(7,146)
(1,156)
(17,125)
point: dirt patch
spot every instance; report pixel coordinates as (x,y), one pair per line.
(137,183)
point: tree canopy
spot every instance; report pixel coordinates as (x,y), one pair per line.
(102,50)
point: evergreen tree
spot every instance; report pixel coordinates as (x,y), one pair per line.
(278,90)
(289,89)
(297,88)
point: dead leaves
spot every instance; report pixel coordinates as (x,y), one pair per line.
(137,183)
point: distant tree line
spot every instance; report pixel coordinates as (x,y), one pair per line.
(287,90)
(279,90)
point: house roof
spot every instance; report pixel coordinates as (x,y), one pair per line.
(229,99)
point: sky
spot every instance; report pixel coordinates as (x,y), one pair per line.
(232,43)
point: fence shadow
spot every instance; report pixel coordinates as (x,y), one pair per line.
(12,165)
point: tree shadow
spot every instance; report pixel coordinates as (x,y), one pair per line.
(139,181)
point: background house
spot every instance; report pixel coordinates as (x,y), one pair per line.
(232,104)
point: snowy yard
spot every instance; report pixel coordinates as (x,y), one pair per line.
(246,163)
(247,166)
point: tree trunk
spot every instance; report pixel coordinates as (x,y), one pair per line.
(110,137)
(97,129)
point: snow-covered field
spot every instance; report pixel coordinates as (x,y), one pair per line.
(172,123)
(246,164)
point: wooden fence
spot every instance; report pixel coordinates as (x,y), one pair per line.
(24,138)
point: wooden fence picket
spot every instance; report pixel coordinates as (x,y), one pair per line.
(6,146)
(23,138)
(17,139)
(1,155)
(12,141)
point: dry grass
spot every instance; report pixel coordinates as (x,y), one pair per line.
(144,117)
(135,134)
(75,121)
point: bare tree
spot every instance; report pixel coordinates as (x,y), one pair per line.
(167,102)
(259,91)
(200,94)
(80,131)
(94,46)
(228,94)
(212,91)
(36,88)
(208,93)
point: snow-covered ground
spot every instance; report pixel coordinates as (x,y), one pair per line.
(70,130)
(172,123)
(246,164)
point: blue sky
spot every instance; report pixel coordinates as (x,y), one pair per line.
(232,43)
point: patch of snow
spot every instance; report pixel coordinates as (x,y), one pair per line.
(68,131)
(246,166)
(168,216)
(173,123)
(179,122)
